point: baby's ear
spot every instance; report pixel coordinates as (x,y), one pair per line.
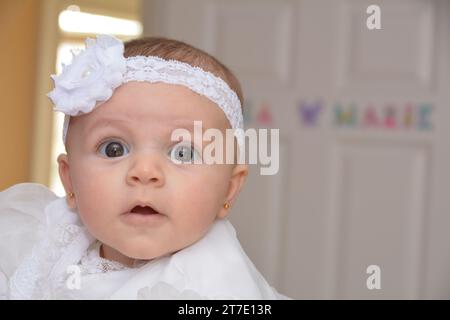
(64,175)
(237,180)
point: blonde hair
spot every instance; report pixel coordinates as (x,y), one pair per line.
(170,49)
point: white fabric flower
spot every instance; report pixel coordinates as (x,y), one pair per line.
(91,77)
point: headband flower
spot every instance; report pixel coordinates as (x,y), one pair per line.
(91,77)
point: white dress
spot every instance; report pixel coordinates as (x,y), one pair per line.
(46,253)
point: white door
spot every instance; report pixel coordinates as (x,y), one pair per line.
(364,124)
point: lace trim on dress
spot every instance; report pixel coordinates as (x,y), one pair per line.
(44,272)
(92,262)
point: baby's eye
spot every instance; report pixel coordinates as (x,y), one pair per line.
(183,153)
(113,149)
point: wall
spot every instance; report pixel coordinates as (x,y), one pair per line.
(18,30)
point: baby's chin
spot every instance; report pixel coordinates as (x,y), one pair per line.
(144,252)
(145,249)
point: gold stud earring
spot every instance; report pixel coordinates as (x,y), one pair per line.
(71,194)
(226,205)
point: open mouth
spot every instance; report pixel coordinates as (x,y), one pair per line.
(143,216)
(146,210)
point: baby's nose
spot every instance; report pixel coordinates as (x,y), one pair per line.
(146,169)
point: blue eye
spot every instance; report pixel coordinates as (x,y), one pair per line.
(183,153)
(113,149)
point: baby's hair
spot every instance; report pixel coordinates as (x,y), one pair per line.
(170,49)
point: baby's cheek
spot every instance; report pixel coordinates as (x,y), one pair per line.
(201,202)
(96,200)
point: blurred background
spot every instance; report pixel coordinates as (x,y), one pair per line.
(363,115)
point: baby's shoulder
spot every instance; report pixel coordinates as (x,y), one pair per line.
(22,220)
(25,196)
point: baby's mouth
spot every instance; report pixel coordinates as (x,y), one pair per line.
(144,210)
(143,214)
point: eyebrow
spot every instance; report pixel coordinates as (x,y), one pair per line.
(104,122)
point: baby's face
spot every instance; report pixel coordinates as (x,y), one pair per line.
(122,154)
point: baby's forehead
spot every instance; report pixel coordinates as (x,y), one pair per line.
(153,111)
(141,102)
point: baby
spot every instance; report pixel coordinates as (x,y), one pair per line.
(145,215)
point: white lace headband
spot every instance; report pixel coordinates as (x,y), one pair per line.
(97,71)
